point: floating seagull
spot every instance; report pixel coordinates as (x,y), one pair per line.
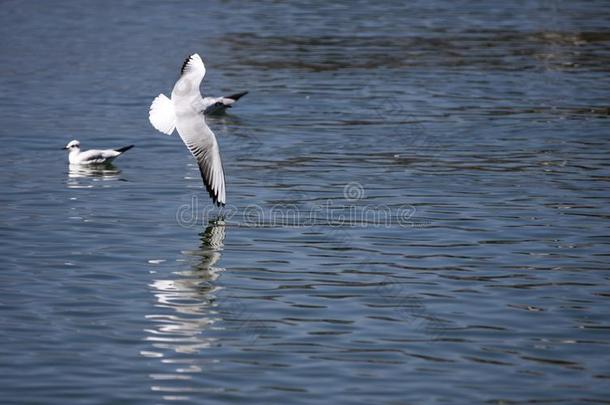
(218,105)
(185,112)
(93,156)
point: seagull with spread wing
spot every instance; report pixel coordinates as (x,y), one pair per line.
(185,113)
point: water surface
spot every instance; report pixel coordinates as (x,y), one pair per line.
(418,204)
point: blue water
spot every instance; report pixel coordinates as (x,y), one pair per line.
(418,204)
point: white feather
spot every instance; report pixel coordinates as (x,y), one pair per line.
(162,115)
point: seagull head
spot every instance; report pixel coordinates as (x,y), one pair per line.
(72,145)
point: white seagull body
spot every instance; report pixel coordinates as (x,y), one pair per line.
(185,113)
(93,156)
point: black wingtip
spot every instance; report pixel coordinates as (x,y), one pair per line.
(237,96)
(186,61)
(124,148)
(211,192)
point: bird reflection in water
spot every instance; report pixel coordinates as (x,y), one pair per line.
(80,176)
(186,306)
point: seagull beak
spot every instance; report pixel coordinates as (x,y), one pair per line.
(64,148)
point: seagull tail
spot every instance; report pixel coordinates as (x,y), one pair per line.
(162,115)
(237,96)
(124,148)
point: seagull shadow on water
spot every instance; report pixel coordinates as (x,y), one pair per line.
(222,123)
(236,138)
(224,120)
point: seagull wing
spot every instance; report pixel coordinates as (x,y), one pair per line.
(216,105)
(97,156)
(200,140)
(191,75)
(194,131)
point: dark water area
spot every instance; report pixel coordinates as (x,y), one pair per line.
(418,204)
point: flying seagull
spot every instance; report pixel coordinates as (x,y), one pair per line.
(93,156)
(185,112)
